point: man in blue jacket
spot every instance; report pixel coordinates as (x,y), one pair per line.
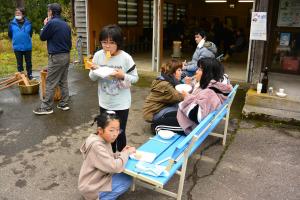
(57,33)
(20,32)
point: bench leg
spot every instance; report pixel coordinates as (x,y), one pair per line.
(226,128)
(133,184)
(183,168)
(182,177)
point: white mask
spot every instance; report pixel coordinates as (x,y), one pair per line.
(18,17)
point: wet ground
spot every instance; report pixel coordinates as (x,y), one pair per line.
(40,159)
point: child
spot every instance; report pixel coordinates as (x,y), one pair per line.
(211,90)
(205,49)
(160,106)
(114,92)
(100,175)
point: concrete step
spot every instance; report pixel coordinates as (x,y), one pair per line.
(284,109)
(272,101)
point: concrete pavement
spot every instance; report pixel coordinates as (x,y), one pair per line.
(40,159)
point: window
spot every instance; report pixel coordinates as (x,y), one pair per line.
(181,12)
(147,13)
(286,52)
(168,13)
(127,12)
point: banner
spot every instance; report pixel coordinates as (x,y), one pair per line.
(258,30)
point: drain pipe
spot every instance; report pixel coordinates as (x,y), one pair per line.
(250,55)
(159,13)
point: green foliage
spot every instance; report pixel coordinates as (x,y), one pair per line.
(36,11)
(7,9)
(8,64)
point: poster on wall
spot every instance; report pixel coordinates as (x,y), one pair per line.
(289,13)
(284,39)
(258,30)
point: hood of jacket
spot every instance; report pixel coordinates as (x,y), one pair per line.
(15,21)
(208,45)
(211,46)
(221,89)
(169,78)
(86,146)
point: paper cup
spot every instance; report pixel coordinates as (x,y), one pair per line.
(258,88)
(281,90)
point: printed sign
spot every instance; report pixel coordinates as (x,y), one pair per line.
(258,30)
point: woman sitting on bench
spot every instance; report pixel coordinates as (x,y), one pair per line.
(210,92)
(161,104)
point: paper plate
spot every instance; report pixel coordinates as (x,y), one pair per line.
(281,94)
(165,134)
(143,156)
(183,87)
(103,72)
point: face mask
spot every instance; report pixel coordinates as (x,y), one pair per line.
(18,17)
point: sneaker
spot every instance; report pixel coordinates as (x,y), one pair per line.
(63,107)
(43,111)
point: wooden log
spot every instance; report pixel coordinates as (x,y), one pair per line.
(25,80)
(10,84)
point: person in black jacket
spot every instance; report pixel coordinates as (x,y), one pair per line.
(57,33)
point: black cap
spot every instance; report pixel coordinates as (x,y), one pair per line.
(55,8)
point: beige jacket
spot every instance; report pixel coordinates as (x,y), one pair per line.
(99,164)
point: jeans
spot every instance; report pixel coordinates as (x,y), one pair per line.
(58,65)
(120,142)
(120,184)
(19,56)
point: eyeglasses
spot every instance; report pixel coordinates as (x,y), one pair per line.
(108,43)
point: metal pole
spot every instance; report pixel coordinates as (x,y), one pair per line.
(159,12)
(154,36)
(87,27)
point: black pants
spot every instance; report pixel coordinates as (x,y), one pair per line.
(19,57)
(167,117)
(120,142)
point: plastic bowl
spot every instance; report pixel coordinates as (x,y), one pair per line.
(166,134)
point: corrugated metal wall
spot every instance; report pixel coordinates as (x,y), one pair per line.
(81,22)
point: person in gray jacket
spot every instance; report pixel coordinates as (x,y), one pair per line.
(205,49)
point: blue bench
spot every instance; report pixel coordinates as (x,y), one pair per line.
(175,152)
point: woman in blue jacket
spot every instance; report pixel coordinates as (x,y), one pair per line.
(20,32)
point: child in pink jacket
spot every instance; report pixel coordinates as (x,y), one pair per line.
(101,174)
(211,90)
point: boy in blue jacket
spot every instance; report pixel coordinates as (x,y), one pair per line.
(20,32)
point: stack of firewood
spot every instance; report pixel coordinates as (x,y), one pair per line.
(17,78)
